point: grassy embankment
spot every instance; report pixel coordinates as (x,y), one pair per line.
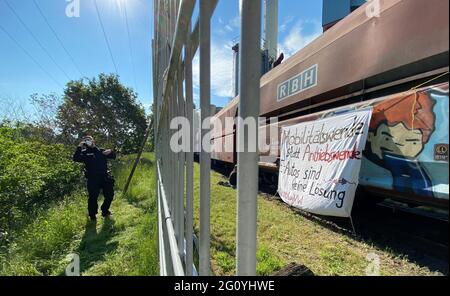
(285,237)
(127,244)
(123,245)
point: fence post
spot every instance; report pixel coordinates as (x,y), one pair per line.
(181,166)
(250,71)
(138,158)
(189,158)
(205,157)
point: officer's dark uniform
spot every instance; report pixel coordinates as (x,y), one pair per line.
(98,177)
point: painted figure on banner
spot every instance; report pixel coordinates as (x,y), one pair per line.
(399,132)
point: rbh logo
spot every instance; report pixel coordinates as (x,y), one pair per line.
(301,82)
(73,8)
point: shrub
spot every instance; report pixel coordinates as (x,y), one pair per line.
(32,176)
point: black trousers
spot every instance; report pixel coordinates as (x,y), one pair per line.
(94,186)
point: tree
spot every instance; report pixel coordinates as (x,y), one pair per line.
(44,126)
(104,109)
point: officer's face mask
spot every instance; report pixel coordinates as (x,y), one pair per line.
(89,143)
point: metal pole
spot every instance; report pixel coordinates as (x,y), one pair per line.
(271,27)
(205,157)
(250,71)
(195,36)
(189,159)
(170,177)
(161,245)
(180,169)
(184,17)
(138,158)
(174,252)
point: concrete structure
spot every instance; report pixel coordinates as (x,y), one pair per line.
(335,10)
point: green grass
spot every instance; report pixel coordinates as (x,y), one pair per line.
(285,237)
(123,245)
(127,244)
(223,231)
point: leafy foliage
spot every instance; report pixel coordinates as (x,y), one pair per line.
(105,109)
(33,174)
(126,244)
(45,125)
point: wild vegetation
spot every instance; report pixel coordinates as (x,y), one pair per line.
(126,244)
(43,200)
(33,176)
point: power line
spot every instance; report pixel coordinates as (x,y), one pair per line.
(104,35)
(57,37)
(36,39)
(30,56)
(129,44)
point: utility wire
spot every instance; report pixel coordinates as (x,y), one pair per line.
(30,56)
(57,37)
(104,35)
(36,39)
(129,45)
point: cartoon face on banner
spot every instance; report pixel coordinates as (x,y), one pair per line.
(402,134)
(402,126)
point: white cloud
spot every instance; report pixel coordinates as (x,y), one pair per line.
(221,71)
(287,20)
(297,38)
(230,26)
(235,22)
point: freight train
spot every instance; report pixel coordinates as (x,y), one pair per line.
(397,62)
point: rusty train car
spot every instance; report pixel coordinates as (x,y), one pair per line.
(396,62)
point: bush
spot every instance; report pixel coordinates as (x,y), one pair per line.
(33,175)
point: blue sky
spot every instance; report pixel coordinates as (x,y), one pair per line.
(85,52)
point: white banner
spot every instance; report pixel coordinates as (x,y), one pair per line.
(320,163)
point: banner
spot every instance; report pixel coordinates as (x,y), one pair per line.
(320,163)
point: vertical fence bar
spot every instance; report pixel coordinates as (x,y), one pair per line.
(156,64)
(181,165)
(176,173)
(170,177)
(189,157)
(250,69)
(205,157)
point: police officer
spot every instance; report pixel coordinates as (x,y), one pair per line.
(97,175)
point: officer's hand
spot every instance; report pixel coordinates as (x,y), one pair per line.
(82,143)
(107,152)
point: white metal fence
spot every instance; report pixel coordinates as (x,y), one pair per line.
(174,46)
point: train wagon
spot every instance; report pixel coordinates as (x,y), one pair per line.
(396,62)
